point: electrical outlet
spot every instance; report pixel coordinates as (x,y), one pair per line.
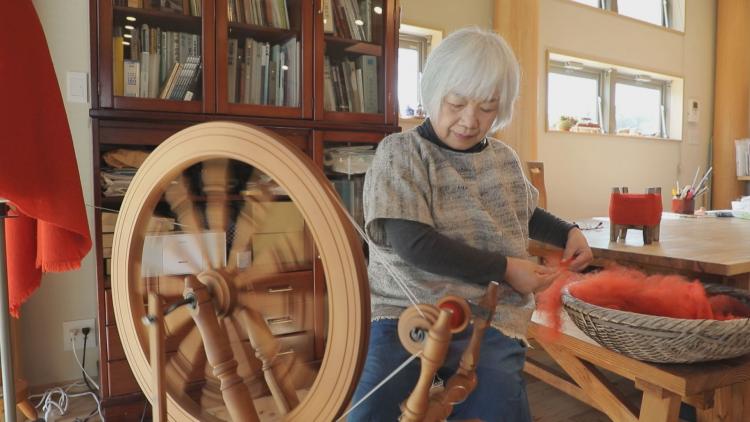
(72,330)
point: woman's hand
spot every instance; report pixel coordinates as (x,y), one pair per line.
(527,277)
(577,250)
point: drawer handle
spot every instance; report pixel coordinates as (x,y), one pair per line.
(288,352)
(280,289)
(279,320)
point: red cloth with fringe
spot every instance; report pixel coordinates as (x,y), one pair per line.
(38,169)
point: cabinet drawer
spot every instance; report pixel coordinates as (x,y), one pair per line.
(286,302)
(121,379)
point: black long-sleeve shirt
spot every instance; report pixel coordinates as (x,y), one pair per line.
(422,246)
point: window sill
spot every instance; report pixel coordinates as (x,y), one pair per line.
(613,135)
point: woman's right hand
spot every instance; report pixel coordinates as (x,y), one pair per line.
(527,277)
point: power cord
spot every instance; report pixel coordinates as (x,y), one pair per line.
(85,331)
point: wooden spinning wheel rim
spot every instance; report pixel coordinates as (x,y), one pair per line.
(337,245)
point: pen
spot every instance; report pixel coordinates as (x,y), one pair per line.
(701,192)
(705,177)
(698,170)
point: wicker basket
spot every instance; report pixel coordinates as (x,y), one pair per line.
(662,339)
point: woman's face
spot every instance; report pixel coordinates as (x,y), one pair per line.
(464,122)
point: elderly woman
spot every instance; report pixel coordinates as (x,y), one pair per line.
(449,210)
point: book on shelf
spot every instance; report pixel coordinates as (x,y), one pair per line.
(328,24)
(352,19)
(183,7)
(158,54)
(232,59)
(118,62)
(351,85)
(132,81)
(350,192)
(274,13)
(263,73)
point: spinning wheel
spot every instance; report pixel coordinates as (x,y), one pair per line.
(227,347)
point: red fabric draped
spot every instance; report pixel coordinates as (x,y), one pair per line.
(38,170)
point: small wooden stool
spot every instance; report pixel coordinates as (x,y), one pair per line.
(635,211)
(22,401)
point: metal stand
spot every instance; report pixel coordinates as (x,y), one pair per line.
(6,354)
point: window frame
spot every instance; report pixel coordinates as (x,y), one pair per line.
(587,72)
(663,86)
(668,12)
(609,75)
(422,44)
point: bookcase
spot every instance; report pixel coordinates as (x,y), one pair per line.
(321,73)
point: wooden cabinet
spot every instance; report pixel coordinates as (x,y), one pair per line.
(295,52)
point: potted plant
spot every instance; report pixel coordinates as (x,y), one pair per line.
(566,122)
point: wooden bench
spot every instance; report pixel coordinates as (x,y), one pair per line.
(720,391)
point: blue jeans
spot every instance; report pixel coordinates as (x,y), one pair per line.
(500,394)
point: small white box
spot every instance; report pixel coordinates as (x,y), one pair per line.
(181,253)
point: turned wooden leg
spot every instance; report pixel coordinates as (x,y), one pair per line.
(237,398)
(28,410)
(275,371)
(436,346)
(613,230)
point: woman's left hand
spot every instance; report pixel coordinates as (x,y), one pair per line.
(577,251)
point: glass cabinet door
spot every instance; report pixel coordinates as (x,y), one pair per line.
(160,54)
(352,60)
(263,51)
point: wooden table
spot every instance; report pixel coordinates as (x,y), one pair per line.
(720,391)
(711,248)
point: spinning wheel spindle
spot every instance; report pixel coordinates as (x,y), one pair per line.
(464,381)
(236,396)
(415,407)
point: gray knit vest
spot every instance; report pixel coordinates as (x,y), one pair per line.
(482,199)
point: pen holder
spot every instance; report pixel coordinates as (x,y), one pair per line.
(683,206)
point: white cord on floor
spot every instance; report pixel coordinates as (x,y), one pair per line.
(54,402)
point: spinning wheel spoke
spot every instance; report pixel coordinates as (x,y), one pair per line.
(275,368)
(215,174)
(188,216)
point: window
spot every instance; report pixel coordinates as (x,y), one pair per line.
(640,106)
(414,46)
(588,96)
(574,93)
(666,13)
(412,52)
(651,11)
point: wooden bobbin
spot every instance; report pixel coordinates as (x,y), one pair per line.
(413,327)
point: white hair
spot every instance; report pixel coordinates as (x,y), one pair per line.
(476,64)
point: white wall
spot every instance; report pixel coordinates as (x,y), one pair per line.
(580,169)
(72,295)
(447,15)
